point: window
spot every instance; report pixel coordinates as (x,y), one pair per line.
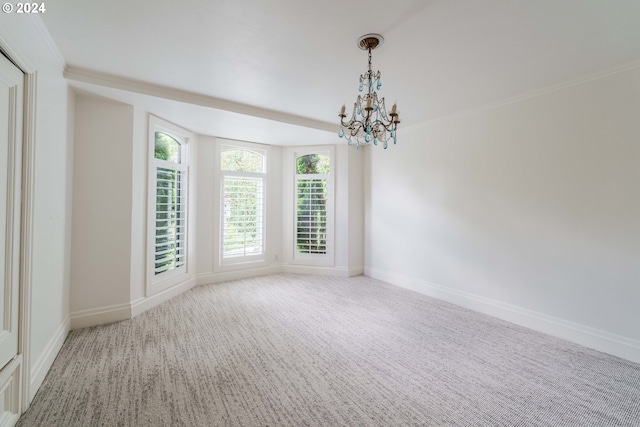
(170,220)
(168,201)
(313,200)
(243,202)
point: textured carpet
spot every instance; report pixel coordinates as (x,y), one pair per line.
(292,350)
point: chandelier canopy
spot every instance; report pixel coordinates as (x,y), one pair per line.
(369,121)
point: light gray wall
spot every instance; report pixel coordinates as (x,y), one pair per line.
(349,209)
(205,207)
(529,211)
(139,168)
(102,204)
(355,171)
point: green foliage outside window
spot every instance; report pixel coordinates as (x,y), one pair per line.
(166,148)
(242,161)
(312,164)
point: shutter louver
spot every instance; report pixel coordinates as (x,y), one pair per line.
(170,221)
(311,221)
(243,216)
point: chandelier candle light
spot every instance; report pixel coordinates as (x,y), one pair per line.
(369,121)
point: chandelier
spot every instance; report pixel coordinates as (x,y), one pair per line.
(369,121)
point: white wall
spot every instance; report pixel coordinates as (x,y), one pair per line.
(139,165)
(529,211)
(349,210)
(25,40)
(102,205)
(356,217)
(205,208)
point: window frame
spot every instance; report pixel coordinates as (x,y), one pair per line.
(326,259)
(159,282)
(222,146)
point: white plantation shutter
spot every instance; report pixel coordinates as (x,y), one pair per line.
(311,215)
(167,221)
(170,218)
(313,222)
(243,216)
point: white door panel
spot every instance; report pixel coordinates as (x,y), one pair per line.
(11,107)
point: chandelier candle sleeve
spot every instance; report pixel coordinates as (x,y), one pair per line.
(369,120)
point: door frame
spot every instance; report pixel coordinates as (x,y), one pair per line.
(26,216)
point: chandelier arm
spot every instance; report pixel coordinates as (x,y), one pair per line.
(354,130)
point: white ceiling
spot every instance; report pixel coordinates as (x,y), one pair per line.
(293,59)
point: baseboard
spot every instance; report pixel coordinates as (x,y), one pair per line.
(100,316)
(117,313)
(224,276)
(143,304)
(355,271)
(320,270)
(42,365)
(587,336)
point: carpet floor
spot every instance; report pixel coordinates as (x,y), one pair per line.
(297,350)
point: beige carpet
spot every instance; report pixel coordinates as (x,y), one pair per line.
(291,350)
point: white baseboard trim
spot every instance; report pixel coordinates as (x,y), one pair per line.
(41,366)
(587,336)
(355,271)
(223,276)
(320,270)
(100,316)
(117,313)
(143,304)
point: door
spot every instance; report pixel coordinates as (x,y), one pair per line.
(11,99)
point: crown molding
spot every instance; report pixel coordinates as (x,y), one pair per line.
(137,86)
